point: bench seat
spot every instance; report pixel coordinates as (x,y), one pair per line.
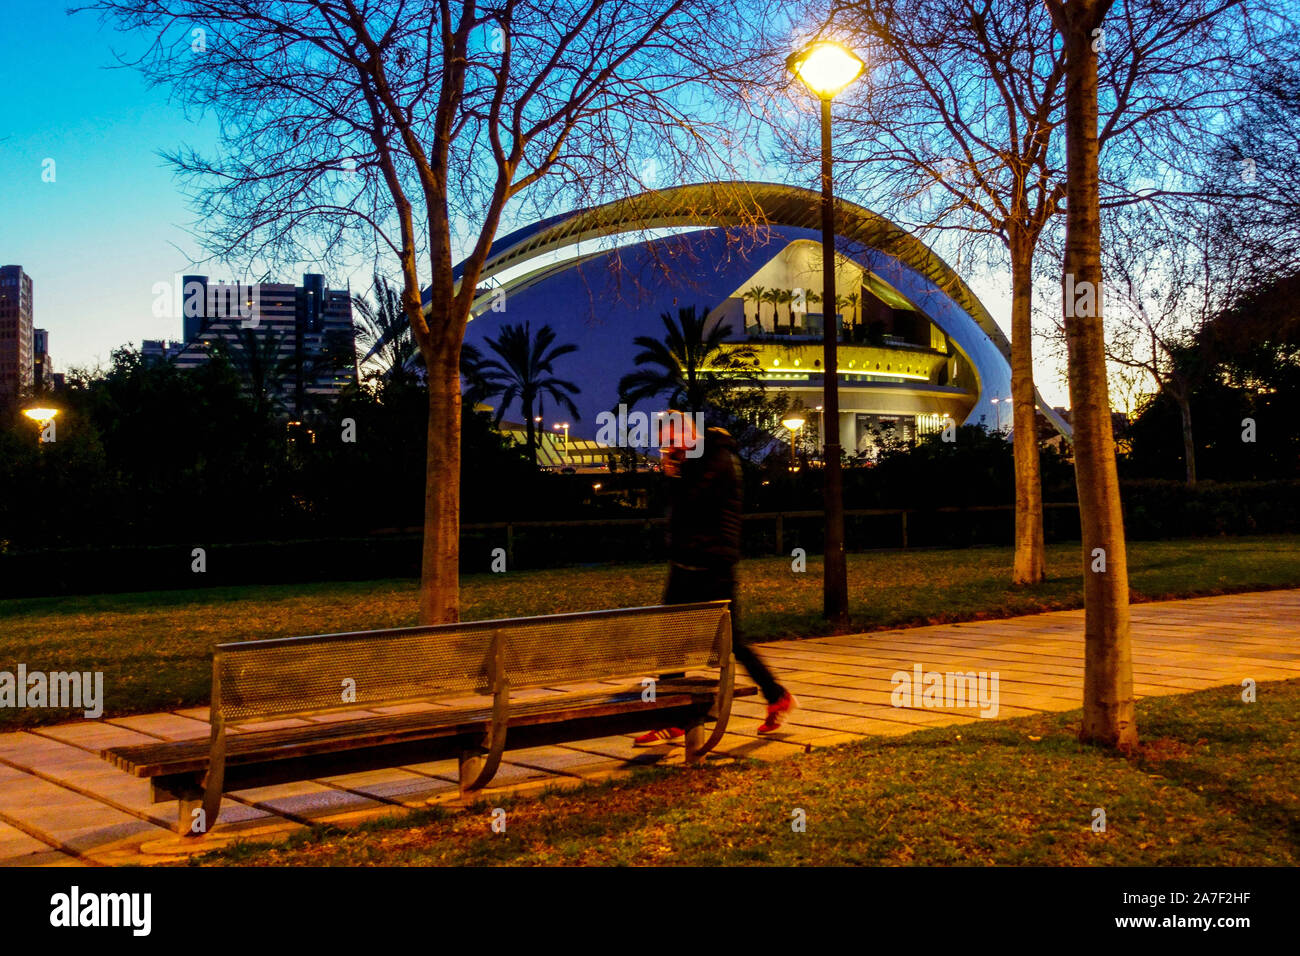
(189,757)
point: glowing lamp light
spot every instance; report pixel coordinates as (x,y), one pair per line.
(40,413)
(794,423)
(825,67)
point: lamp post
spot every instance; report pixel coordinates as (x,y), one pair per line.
(565,426)
(826,68)
(794,423)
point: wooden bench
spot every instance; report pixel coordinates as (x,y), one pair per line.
(443,667)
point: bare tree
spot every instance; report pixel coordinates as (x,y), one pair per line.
(958,128)
(1258,166)
(409,130)
(1170,278)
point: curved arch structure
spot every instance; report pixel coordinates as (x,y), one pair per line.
(602,276)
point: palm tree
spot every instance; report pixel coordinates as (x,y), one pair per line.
(523,371)
(841,302)
(772,296)
(255,356)
(786,298)
(755,294)
(384,341)
(853,298)
(813,298)
(692,366)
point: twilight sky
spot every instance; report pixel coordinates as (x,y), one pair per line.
(113,223)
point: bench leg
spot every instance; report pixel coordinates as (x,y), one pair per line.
(190,801)
(471,765)
(695,737)
(476,769)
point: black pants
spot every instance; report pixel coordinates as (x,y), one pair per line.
(688,585)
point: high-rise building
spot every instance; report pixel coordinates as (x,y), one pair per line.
(158,350)
(16,356)
(42,367)
(297,342)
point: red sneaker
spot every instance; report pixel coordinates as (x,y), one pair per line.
(776,713)
(655,738)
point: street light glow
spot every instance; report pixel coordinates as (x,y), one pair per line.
(40,413)
(794,423)
(825,67)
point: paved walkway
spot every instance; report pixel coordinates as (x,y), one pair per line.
(61,804)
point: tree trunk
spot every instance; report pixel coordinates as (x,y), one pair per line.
(440,566)
(531,431)
(1108,706)
(1029,565)
(1189,445)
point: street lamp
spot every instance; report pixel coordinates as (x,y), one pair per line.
(826,68)
(794,423)
(998,409)
(565,426)
(42,415)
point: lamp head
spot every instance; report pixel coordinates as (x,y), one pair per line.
(825,67)
(794,423)
(40,413)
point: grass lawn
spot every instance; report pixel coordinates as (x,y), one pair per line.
(154,648)
(1214,783)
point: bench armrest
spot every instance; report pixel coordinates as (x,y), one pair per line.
(476,772)
(726,683)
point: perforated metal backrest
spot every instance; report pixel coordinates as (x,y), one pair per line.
(264,680)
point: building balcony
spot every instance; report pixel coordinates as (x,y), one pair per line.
(792,358)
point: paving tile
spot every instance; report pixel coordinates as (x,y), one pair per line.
(622,748)
(165,726)
(94,735)
(27,750)
(15,844)
(441,769)
(397,785)
(195,713)
(66,818)
(306,799)
(553,759)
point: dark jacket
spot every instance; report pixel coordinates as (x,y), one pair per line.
(705,506)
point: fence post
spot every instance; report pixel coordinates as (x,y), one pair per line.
(904,516)
(780,533)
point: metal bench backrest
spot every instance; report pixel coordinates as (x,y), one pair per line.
(286,677)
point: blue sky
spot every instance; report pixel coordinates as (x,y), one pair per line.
(113,223)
